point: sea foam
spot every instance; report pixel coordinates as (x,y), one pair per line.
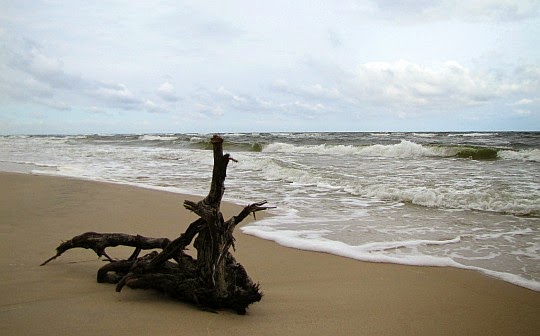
(374,252)
(522,155)
(149,137)
(411,198)
(401,150)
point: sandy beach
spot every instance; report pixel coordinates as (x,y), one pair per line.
(306,293)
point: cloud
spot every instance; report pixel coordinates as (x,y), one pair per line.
(233,98)
(217,30)
(336,41)
(28,58)
(217,102)
(30,74)
(117,94)
(526,107)
(292,60)
(96,110)
(468,11)
(408,90)
(524,101)
(317,91)
(419,85)
(27,75)
(208,110)
(493,10)
(167,92)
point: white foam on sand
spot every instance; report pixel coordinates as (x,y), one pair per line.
(312,240)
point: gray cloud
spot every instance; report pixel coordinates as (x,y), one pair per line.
(40,78)
(27,57)
(328,62)
(412,89)
(167,92)
(473,11)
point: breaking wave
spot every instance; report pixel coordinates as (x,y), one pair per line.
(404,149)
(465,195)
(458,199)
(523,155)
(147,137)
(376,252)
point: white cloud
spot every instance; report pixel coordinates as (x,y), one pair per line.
(235,98)
(522,112)
(412,84)
(408,91)
(524,101)
(317,91)
(117,94)
(32,61)
(209,110)
(493,10)
(473,11)
(328,61)
(307,106)
(119,91)
(32,75)
(166,88)
(167,92)
(526,107)
(151,106)
(96,110)
(52,103)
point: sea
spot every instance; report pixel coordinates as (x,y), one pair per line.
(468,200)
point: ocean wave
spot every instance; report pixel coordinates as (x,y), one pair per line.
(472,135)
(399,196)
(445,197)
(274,169)
(476,153)
(314,241)
(520,232)
(149,137)
(403,149)
(386,246)
(424,135)
(470,196)
(198,139)
(522,155)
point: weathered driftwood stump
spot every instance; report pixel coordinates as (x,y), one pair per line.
(212,281)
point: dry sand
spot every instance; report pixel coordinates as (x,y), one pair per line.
(306,293)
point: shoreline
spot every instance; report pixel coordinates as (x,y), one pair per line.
(305,292)
(313,247)
(351,253)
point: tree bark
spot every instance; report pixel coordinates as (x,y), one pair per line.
(214,280)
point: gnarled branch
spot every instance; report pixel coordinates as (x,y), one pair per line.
(213,280)
(98,242)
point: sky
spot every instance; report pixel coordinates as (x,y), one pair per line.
(84,67)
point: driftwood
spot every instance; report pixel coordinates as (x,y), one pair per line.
(214,280)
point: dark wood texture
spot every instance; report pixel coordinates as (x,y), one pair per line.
(214,280)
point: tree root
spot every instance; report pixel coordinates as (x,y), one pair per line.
(212,281)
